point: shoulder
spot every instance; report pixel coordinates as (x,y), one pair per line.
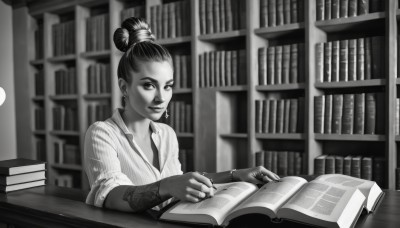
(101,128)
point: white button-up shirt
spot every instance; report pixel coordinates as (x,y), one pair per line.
(113,158)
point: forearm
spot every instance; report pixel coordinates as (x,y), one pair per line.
(221,177)
(135,198)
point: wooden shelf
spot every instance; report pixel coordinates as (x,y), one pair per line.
(182,90)
(397,138)
(184,134)
(287,136)
(64,97)
(234,135)
(238,88)
(39,132)
(60,59)
(223,36)
(397,81)
(174,41)
(277,87)
(67,167)
(97,96)
(349,137)
(37,62)
(97,54)
(367,21)
(351,84)
(64,133)
(295,29)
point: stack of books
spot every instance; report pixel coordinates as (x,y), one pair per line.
(20,173)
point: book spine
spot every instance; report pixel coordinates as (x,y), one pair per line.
(262,66)
(352,8)
(359,113)
(282,163)
(294,63)
(378,57)
(319,165)
(339,164)
(286,118)
(280,116)
(348,114)
(319,103)
(291,163)
(286,12)
(328,9)
(328,114)
(352,59)
(223,68)
(335,61)
(344,8)
(279,13)
(293,115)
(379,164)
(356,167)
(360,59)
(271,13)
(330,165)
(259,156)
(363,7)
(268,160)
(294,11)
(265,116)
(337,113)
(368,58)
(272,116)
(271,65)
(222,15)
(366,168)
(263,13)
(343,74)
(347,165)
(320,10)
(278,65)
(209,16)
(370,115)
(216,16)
(258,118)
(286,64)
(335,9)
(319,52)
(327,61)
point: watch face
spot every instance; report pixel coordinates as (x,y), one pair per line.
(2,96)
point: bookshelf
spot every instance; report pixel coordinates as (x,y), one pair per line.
(222,134)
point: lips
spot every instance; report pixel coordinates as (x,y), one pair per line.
(157,109)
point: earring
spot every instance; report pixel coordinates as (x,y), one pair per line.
(166,114)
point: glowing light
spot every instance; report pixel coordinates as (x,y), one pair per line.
(2,96)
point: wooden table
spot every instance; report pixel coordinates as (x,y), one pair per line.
(62,207)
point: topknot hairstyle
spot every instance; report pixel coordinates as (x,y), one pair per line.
(137,41)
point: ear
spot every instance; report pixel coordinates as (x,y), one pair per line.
(123,86)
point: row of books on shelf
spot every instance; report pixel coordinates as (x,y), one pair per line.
(281,12)
(350,60)
(170,20)
(222,15)
(39,32)
(137,11)
(365,167)
(98,33)
(63,37)
(333,9)
(360,113)
(65,118)
(186,159)
(222,68)
(20,173)
(180,116)
(281,64)
(397,116)
(98,112)
(280,115)
(39,83)
(182,71)
(65,81)
(40,122)
(64,180)
(41,150)
(99,78)
(283,163)
(66,153)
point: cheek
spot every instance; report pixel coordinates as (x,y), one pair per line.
(141,97)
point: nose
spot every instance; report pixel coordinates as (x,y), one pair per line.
(161,96)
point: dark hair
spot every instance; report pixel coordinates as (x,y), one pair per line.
(137,41)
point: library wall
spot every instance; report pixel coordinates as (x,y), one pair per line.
(8,139)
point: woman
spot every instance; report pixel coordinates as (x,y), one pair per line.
(131,161)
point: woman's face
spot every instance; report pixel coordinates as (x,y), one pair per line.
(151,89)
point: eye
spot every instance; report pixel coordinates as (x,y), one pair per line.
(148,85)
(169,87)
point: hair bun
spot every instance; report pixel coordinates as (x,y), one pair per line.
(134,30)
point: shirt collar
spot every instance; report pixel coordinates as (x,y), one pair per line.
(117,118)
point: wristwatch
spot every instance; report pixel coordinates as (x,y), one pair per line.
(231,173)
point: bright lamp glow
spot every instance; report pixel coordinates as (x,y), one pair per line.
(2,96)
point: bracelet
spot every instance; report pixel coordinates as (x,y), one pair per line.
(231,175)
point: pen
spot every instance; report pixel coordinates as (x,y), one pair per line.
(212,182)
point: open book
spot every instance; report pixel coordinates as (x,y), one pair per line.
(331,200)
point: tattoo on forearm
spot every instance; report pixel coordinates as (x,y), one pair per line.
(141,198)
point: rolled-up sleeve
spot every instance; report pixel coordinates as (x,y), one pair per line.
(102,165)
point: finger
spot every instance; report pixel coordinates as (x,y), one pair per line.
(196,193)
(269,174)
(266,179)
(191,198)
(199,186)
(202,179)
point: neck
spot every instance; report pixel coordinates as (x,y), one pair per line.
(137,124)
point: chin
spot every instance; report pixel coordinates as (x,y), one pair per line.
(155,117)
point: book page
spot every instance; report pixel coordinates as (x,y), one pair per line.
(323,201)
(369,188)
(226,197)
(270,197)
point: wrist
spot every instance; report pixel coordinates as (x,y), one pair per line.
(232,175)
(163,189)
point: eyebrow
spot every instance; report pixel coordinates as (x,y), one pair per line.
(155,81)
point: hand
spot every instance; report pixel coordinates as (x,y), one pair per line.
(257,175)
(191,186)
